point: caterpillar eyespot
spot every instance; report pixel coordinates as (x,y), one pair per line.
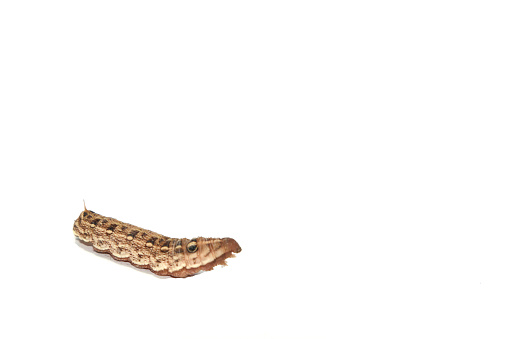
(146,249)
(192,246)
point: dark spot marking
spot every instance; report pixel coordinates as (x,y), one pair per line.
(133,234)
(95,221)
(124,228)
(165,246)
(104,221)
(111,228)
(85,214)
(143,234)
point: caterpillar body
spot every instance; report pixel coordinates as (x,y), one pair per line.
(178,258)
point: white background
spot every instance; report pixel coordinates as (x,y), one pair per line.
(356,150)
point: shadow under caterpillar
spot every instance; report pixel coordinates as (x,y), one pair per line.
(178,258)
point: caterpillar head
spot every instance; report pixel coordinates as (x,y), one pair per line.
(203,254)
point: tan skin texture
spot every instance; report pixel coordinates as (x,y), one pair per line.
(165,256)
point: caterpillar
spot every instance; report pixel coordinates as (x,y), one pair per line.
(178,258)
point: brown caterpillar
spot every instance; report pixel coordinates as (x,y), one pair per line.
(162,255)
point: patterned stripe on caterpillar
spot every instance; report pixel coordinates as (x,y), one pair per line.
(162,255)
